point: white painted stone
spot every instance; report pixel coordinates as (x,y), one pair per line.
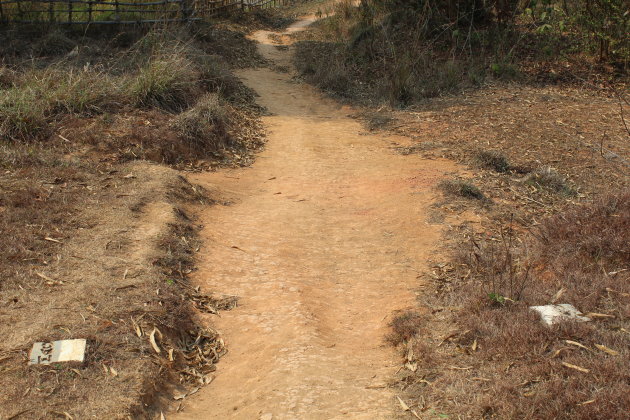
(552,314)
(58,351)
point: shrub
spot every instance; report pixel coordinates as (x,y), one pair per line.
(54,43)
(491,159)
(167,82)
(7,77)
(462,188)
(548,178)
(205,125)
(323,65)
(404,327)
(40,96)
(216,76)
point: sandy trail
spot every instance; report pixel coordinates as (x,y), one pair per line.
(324,241)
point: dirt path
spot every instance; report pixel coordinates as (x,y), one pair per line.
(324,241)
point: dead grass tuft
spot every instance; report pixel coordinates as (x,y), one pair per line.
(334,77)
(53,44)
(179,247)
(7,77)
(462,188)
(216,76)
(377,120)
(205,125)
(549,179)
(39,97)
(404,327)
(166,82)
(492,159)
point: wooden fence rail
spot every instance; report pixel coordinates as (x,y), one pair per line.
(120,12)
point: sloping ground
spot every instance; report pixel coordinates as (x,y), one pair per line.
(103,276)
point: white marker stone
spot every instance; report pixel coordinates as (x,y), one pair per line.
(58,351)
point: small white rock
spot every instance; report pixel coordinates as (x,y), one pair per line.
(552,314)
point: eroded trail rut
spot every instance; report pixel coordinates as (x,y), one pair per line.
(324,241)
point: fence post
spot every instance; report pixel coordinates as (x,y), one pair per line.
(89,11)
(69,11)
(19,6)
(186,9)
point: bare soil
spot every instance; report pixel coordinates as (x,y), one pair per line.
(323,244)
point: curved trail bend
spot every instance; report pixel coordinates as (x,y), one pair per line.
(324,241)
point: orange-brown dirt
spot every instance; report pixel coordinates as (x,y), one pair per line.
(323,243)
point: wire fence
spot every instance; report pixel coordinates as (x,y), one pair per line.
(121,12)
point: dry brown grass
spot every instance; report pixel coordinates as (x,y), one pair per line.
(499,361)
(493,358)
(109,273)
(405,326)
(492,159)
(205,126)
(462,188)
(67,122)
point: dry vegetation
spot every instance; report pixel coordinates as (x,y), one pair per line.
(539,217)
(99,244)
(80,97)
(77,270)
(404,52)
(554,229)
(495,359)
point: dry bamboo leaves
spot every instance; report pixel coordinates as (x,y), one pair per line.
(152,340)
(593,315)
(213,304)
(576,344)
(48,280)
(558,295)
(403,405)
(607,350)
(201,351)
(136,327)
(109,370)
(63,414)
(600,347)
(575,367)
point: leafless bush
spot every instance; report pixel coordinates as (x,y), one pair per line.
(492,159)
(502,269)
